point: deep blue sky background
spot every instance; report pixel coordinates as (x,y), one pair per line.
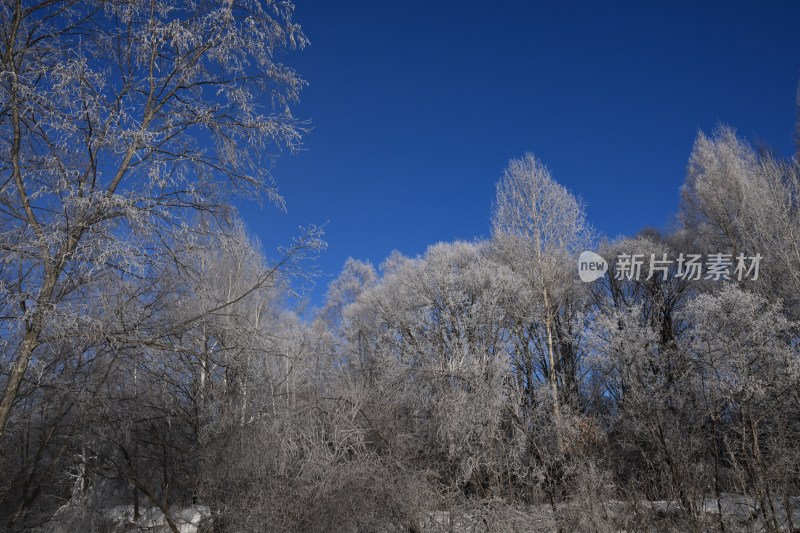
(418,106)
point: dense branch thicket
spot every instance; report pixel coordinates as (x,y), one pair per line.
(153,375)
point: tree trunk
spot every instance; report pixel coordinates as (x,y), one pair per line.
(551,360)
(29,343)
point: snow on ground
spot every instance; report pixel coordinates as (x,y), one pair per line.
(740,514)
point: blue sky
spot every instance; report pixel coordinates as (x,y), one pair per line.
(417,107)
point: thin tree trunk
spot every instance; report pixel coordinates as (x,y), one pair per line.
(29,343)
(552,377)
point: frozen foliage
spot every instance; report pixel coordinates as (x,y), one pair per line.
(477,387)
(736,200)
(155,378)
(119,119)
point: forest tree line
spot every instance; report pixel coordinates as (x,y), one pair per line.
(150,358)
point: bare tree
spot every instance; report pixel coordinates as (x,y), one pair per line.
(737,201)
(539,228)
(747,370)
(117,118)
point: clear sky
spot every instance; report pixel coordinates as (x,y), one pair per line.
(418,105)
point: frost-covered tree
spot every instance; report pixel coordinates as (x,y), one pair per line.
(736,200)
(747,372)
(436,329)
(353,343)
(658,291)
(356,276)
(180,360)
(539,228)
(116,120)
(655,444)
